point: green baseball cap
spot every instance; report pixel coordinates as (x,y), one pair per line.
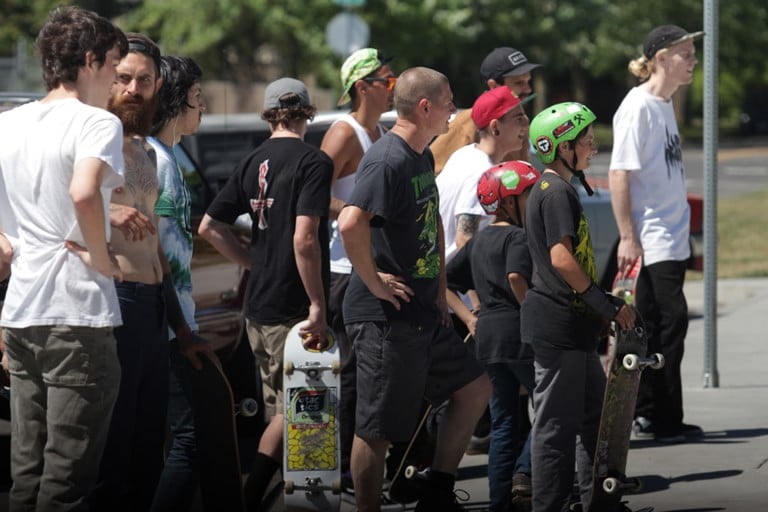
(359,65)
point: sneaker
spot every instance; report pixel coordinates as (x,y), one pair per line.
(521,484)
(442,501)
(642,428)
(478,445)
(691,431)
(672,437)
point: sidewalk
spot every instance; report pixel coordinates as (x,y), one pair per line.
(727,470)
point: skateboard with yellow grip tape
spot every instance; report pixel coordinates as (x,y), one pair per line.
(311,451)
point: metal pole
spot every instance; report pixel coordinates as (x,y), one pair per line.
(711,377)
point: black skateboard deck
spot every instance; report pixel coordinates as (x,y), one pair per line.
(608,479)
(213,409)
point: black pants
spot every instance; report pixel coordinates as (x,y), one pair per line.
(662,305)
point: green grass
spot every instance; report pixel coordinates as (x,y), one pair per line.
(691,134)
(742,226)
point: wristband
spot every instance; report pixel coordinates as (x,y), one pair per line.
(603,303)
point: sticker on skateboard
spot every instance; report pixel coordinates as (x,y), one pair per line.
(311,458)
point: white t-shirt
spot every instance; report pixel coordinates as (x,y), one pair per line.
(457,186)
(342,189)
(41,143)
(646,142)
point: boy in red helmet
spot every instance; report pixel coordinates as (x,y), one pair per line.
(496,263)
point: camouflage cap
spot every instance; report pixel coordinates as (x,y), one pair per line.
(359,65)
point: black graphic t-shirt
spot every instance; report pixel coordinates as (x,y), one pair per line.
(553,314)
(280,180)
(397,185)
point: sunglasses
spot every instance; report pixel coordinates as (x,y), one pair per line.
(389,80)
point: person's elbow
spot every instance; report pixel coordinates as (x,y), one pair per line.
(305,244)
(352,220)
(85,199)
(206,228)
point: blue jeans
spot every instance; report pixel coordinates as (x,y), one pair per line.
(505,430)
(64,381)
(180,477)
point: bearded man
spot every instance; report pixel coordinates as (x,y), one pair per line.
(133,459)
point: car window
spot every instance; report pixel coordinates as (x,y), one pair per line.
(199,190)
(218,152)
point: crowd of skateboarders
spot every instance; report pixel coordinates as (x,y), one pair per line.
(450,255)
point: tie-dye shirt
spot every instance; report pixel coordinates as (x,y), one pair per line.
(173,207)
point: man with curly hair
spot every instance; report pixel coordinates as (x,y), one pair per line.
(61,157)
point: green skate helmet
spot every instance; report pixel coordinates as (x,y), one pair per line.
(556,124)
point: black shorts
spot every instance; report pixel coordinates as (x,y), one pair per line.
(398,365)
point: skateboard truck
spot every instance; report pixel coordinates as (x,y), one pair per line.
(633,362)
(612,485)
(312,485)
(311,369)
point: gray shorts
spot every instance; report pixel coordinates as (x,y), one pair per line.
(399,364)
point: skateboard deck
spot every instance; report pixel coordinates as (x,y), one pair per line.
(624,286)
(311,451)
(608,479)
(213,408)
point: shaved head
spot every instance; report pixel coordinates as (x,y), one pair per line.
(413,85)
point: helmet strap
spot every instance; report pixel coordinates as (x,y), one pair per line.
(517,211)
(578,174)
(514,222)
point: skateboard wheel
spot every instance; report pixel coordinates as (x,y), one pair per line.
(659,364)
(288,486)
(410,472)
(631,362)
(336,367)
(248,407)
(288,368)
(336,487)
(610,485)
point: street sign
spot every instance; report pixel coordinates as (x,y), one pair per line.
(349,3)
(347,32)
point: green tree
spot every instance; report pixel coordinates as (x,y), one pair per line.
(22,19)
(242,40)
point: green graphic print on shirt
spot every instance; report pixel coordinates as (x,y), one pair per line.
(585,256)
(428,263)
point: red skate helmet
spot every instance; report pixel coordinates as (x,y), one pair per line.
(503,180)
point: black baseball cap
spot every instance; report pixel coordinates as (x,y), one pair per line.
(505,61)
(665,36)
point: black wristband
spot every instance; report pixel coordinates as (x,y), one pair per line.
(603,303)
